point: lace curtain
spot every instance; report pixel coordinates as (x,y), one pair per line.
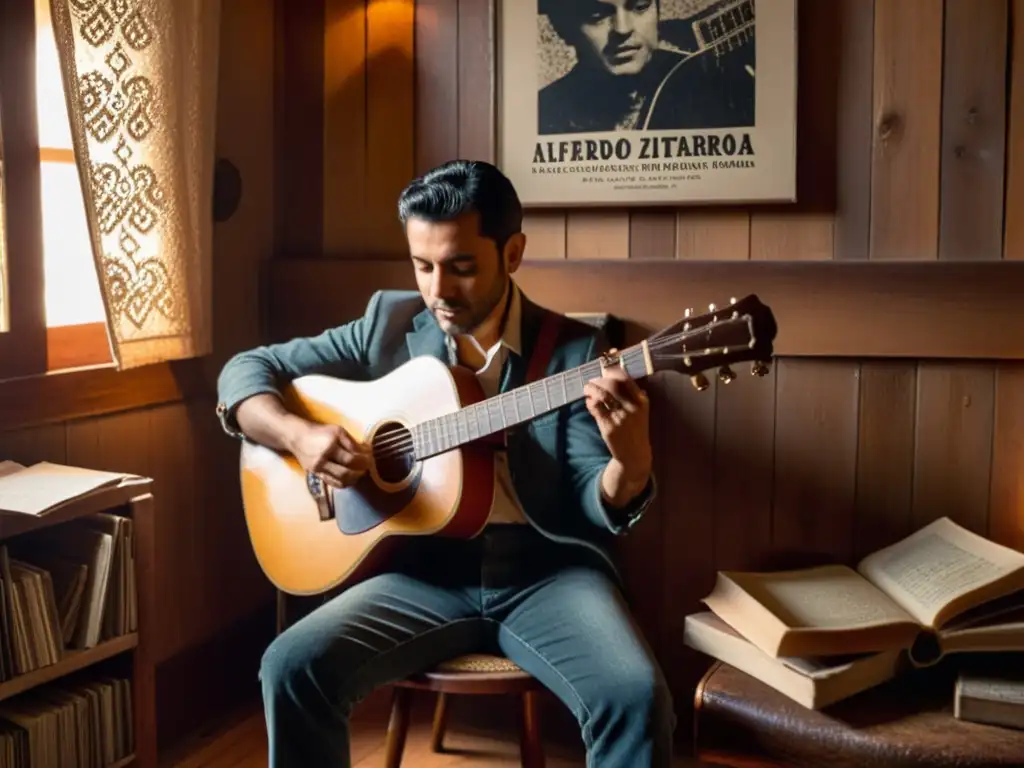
(141,79)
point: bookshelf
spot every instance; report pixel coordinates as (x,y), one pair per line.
(76,670)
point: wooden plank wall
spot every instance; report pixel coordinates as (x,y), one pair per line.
(208,581)
(907,119)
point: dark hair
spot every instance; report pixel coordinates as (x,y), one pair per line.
(565,18)
(465,186)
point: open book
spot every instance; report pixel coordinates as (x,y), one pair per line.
(940,590)
(43,487)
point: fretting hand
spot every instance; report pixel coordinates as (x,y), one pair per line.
(622,412)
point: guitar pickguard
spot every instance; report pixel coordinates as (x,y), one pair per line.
(366,505)
(384,491)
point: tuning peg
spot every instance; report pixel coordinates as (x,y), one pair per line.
(687,312)
(700,382)
(725,374)
(759,368)
(732,300)
(711,307)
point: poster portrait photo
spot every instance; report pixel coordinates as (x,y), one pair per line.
(620,102)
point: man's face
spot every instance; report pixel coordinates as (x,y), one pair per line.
(460,274)
(619,35)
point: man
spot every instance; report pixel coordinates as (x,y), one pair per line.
(537,584)
(628,76)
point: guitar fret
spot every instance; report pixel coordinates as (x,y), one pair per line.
(519,405)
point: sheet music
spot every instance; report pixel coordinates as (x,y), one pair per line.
(42,486)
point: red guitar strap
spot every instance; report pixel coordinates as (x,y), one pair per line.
(545,347)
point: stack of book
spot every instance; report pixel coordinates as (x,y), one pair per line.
(823,634)
(82,720)
(67,587)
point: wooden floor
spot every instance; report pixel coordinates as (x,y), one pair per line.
(241,741)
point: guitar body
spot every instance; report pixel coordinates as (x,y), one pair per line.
(448,494)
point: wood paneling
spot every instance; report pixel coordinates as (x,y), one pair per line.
(390,110)
(973,129)
(907,119)
(298,82)
(344,134)
(1014,226)
(907,126)
(60,396)
(855,49)
(436,39)
(823,309)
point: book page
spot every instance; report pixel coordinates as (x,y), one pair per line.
(828,597)
(938,569)
(42,486)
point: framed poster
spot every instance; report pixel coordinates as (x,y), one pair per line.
(647,102)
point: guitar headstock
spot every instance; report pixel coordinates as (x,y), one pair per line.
(741,331)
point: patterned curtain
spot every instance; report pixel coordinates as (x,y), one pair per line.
(141,80)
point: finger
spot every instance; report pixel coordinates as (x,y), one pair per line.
(598,409)
(350,443)
(338,476)
(349,459)
(599,395)
(624,387)
(615,372)
(633,390)
(613,397)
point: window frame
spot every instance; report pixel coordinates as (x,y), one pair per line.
(29,347)
(23,345)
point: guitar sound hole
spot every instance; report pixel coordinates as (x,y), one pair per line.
(393,453)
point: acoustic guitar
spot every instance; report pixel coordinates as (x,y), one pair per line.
(725,34)
(430,428)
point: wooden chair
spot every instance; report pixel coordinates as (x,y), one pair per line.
(474,674)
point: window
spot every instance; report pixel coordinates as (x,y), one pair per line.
(72,290)
(49,292)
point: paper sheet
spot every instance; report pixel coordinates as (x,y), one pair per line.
(39,488)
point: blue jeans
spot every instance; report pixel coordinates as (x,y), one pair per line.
(552,609)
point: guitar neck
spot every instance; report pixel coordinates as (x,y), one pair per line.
(726,27)
(516,406)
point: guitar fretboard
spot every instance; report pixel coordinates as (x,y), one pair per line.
(516,406)
(727,27)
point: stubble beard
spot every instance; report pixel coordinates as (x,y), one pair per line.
(478,315)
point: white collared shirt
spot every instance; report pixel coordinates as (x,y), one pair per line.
(506,507)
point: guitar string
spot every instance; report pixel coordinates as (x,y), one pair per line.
(399,444)
(655,344)
(405,440)
(402,443)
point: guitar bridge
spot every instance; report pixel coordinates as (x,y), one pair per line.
(322,495)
